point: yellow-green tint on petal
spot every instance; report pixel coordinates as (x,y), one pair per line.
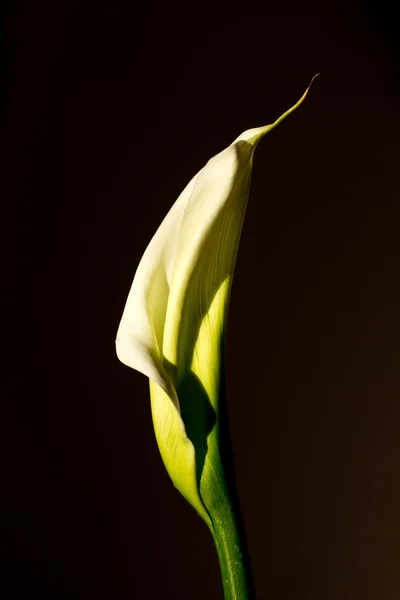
(206,363)
(208,243)
(176,449)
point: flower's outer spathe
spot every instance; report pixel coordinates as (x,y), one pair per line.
(172,328)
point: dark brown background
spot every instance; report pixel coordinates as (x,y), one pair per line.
(149,92)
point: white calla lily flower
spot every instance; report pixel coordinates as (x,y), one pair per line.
(172,329)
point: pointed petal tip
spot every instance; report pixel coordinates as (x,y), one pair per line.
(293,108)
(253,136)
(309,85)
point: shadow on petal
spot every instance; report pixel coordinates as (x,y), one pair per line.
(197,414)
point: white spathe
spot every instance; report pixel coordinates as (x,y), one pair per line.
(175,315)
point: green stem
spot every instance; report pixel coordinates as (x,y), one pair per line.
(233,555)
(227,525)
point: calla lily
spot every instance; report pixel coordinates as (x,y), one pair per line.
(174,322)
